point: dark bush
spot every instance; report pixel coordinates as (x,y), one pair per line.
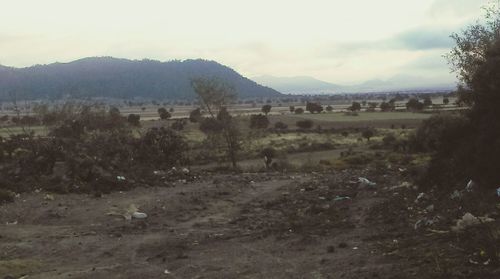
(259,121)
(305,124)
(299,111)
(280,126)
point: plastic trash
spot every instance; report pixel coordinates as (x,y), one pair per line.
(470,186)
(420,197)
(456,195)
(365,182)
(339,198)
(139,215)
(425,222)
(120,178)
(131,212)
(470,220)
(498,192)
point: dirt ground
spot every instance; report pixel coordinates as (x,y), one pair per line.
(262,225)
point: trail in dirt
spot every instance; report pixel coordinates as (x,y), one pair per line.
(219,227)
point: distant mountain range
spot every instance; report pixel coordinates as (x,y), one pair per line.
(120,78)
(309,85)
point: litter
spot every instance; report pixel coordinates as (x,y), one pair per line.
(339,198)
(131,212)
(470,186)
(139,215)
(456,195)
(365,182)
(423,223)
(498,192)
(420,197)
(470,220)
(120,178)
(49,197)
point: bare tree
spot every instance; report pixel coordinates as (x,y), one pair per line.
(214,95)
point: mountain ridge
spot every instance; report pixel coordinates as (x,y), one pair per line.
(121,78)
(311,85)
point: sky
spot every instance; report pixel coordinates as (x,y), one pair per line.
(340,41)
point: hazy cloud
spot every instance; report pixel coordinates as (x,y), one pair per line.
(424,38)
(335,40)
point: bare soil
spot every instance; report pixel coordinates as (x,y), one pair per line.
(263,225)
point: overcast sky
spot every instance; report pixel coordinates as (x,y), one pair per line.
(340,41)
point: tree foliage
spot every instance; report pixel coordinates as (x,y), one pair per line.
(214,95)
(266,109)
(314,107)
(259,121)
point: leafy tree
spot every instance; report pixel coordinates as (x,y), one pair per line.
(469,147)
(134,119)
(214,95)
(164,114)
(195,115)
(372,106)
(427,101)
(355,106)
(386,106)
(266,109)
(446,100)
(368,133)
(414,105)
(299,111)
(268,153)
(313,107)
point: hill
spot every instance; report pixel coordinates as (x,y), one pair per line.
(310,85)
(298,85)
(120,78)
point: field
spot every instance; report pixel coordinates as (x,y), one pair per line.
(311,214)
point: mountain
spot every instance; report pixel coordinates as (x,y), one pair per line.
(298,85)
(404,83)
(309,85)
(120,78)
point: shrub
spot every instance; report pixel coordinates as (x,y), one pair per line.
(299,111)
(6,196)
(305,124)
(134,119)
(280,126)
(259,121)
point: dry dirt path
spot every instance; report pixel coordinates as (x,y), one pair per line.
(227,226)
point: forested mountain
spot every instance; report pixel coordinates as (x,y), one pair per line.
(120,78)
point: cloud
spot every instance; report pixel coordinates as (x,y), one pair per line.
(456,8)
(424,38)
